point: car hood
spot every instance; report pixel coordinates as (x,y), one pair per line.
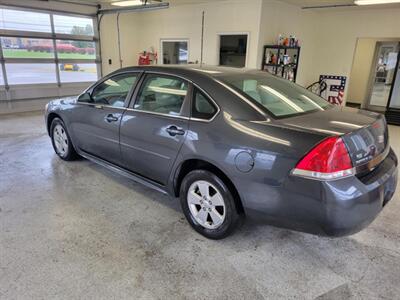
(335,121)
(64,100)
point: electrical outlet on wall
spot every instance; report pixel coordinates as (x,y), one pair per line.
(110,61)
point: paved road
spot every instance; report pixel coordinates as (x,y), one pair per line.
(45,73)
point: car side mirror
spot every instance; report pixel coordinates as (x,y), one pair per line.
(85,97)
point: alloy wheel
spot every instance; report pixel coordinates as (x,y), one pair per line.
(60,140)
(206,204)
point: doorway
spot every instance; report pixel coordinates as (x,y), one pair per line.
(393,107)
(174,52)
(382,75)
(233,50)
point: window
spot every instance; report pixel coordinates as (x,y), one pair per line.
(11,19)
(15,47)
(73,25)
(30,73)
(232,51)
(70,72)
(1,78)
(76,50)
(202,107)
(31,59)
(280,97)
(114,90)
(162,94)
(174,52)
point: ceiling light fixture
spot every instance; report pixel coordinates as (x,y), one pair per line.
(375,2)
(128,3)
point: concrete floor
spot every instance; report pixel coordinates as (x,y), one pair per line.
(76,230)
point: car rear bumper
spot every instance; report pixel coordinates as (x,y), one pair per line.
(334,208)
(352,205)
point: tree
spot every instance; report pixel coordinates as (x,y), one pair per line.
(78,30)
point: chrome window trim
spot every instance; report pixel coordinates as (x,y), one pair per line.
(100,106)
(158,114)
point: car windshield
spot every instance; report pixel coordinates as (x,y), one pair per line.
(280,97)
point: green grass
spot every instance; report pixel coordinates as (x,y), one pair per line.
(22,53)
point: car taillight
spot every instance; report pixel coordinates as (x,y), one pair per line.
(328,160)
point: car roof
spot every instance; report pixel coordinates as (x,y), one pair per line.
(191,71)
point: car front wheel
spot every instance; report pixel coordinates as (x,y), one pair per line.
(61,141)
(208,204)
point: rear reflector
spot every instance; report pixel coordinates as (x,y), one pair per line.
(326,161)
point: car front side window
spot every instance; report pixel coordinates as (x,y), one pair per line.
(114,90)
(162,94)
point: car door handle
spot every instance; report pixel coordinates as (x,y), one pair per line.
(174,130)
(111,118)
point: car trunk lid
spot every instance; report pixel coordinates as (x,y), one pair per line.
(364,133)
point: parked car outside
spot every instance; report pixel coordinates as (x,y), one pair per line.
(233,143)
(69,67)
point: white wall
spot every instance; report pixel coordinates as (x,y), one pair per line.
(328,38)
(282,18)
(337,34)
(361,70)
(142,30)
(359,90)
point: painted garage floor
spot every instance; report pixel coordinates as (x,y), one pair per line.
(76,230)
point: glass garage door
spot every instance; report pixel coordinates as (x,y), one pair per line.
(45,48)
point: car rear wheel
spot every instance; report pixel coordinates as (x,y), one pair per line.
(61,141)
(208,204)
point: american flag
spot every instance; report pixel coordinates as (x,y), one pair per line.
(334,92)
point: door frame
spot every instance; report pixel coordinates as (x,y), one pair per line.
(394,82)
(219,34)
(372,77)
(161,60)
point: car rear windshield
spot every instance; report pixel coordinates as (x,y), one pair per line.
(280,97)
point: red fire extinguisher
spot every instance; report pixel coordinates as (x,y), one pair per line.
(144,59)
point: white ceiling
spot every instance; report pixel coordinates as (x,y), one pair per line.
(303,3)
(300,3)
(174,2)
(322,3)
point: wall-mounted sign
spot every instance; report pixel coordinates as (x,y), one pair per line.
(334,92)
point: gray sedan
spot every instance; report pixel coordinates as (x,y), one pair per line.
(232,143)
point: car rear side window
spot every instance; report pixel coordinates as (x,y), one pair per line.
(202,107)
(162,94)
(114,90)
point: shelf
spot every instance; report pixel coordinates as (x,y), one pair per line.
(281,47)
(282,70)
(292,65)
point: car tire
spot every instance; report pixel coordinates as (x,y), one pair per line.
(203,185)
(61,140)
